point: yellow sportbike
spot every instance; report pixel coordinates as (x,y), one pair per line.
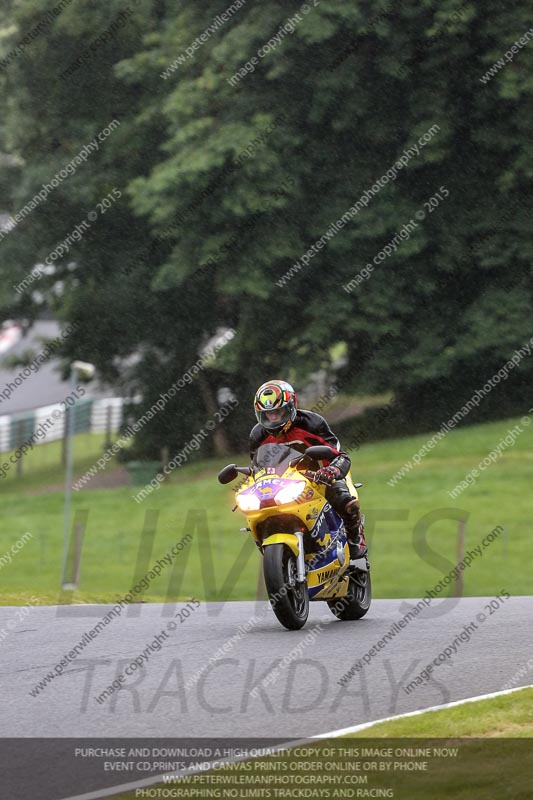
(300,536)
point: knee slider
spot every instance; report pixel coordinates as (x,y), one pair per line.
(353,507)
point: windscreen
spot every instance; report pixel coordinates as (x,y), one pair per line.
(275,457)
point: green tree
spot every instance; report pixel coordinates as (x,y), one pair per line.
(229,177)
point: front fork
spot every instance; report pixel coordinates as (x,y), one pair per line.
(300,561)
(288,539)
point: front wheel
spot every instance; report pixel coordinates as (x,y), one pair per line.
(288,598)
(356,602)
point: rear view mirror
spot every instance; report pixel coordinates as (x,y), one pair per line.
(228,474)
(320,452)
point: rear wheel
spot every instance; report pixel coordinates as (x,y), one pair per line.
(288,598)
(358,597)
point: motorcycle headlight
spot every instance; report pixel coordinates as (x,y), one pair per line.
(290,492)
(248,502)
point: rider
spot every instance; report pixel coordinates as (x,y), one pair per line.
(280,420)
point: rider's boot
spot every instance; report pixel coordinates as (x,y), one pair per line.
(354,524)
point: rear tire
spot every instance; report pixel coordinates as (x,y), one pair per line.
(357,600)
(288,598)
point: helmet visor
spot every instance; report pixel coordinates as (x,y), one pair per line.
(275,418)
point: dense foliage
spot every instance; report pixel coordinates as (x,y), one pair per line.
(233,162)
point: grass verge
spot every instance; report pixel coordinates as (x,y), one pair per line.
(411,526)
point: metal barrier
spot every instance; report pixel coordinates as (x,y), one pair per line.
(47,424)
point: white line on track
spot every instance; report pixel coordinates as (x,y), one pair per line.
(365,725)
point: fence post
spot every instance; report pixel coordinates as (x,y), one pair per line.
(458,589)
(165,456)
(107,443)
(20,440)
(73,560)
(64,441)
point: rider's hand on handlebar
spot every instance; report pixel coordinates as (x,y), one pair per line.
(327,475)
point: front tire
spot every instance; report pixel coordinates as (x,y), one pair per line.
(357,600)
(288,598)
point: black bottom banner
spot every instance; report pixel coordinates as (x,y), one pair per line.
(161,769)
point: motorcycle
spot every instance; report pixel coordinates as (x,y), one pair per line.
(300,536)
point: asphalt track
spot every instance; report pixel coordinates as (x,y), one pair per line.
(303,698)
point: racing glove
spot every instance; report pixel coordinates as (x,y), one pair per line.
(327,475)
